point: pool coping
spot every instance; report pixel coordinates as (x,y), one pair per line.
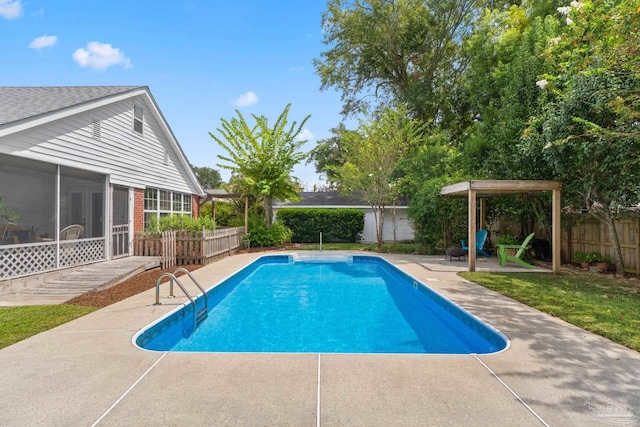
(87,372)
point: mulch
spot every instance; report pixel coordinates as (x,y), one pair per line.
(126,289)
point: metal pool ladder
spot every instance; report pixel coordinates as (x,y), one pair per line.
(198,315)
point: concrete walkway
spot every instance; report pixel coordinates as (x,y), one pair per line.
(88,372)
(60,286)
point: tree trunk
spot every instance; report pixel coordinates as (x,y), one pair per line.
(613,237)
(604,215)
(268,210)
(393,220)
(378,217)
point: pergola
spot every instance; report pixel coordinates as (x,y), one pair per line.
(473,189)
(220,195)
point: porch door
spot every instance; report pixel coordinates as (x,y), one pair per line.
(87,209)
(120,222)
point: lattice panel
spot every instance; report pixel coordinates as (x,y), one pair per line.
(77,252)
(22,260)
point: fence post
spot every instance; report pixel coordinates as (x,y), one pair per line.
(203,241)
(229,240)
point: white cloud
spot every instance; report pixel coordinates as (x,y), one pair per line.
(246,99)
(10,9)
(43,41)
(305,135)
(100,56)
(38,13)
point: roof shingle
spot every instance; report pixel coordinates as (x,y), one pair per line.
(20,103)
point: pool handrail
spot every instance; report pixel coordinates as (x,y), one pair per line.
(193,279)
(193,301)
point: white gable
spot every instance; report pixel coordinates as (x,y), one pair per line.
(101,137)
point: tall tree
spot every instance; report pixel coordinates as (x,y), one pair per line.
(263,157)
(406,51)
(589,127)
(373,155)
(329,154)
(207,177)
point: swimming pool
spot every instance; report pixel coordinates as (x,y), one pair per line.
(350,304)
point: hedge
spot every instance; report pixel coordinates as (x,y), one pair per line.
(336,224)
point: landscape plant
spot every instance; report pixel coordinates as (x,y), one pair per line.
(262,236)
(179,222)
(589,126)
(262,157)
(372,157)
(335,224)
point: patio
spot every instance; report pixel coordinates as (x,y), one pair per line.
(88,372)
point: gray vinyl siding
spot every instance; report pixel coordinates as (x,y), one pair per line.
(132,159)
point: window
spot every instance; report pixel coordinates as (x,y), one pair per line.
(161,203)
(177,202)
(138,118)
(150,199)
(165,200)
(186,204)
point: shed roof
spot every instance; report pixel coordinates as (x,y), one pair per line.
(25,102)
(329,198)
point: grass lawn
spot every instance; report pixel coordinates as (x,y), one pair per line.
(597,303)
(19,323)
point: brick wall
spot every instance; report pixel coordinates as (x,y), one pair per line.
(138,210)
(195,210)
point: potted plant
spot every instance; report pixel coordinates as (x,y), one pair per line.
(508,239)
(582,258)
(601,261)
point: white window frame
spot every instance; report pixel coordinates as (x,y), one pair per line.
(155,196)
(138,120)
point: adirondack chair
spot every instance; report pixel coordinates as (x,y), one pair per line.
(481,238)
(503,256)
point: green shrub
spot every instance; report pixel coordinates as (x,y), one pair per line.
(260,235)
(507,239)
(228,214)
(335,224)
(179,222)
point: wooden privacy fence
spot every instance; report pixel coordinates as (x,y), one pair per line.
(185,247)
(591,235)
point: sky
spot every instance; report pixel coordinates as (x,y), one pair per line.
(202,60)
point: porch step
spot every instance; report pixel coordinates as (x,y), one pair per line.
(63,285)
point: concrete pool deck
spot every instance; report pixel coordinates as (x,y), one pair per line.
(88,372)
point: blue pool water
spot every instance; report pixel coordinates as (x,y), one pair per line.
(363,305)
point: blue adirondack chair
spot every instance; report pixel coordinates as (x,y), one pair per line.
(481,238)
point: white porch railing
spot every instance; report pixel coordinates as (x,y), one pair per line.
(30,258)
(120,240)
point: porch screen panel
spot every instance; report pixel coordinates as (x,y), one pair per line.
(82,201)
(27,201)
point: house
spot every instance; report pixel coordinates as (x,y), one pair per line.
(81,170)
(398,229)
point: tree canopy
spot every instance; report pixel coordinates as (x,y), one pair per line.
(373,153)
(262,157)
(543,89)
(207,177)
